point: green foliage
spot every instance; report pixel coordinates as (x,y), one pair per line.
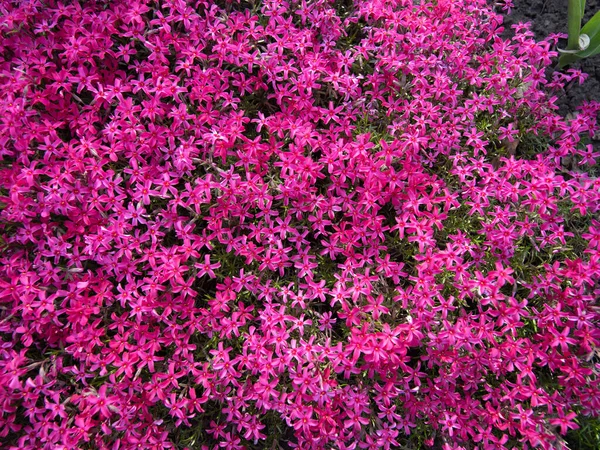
(587,436)
(583,42)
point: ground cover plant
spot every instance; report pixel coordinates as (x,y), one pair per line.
(292,224)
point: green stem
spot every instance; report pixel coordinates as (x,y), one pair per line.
(574,16)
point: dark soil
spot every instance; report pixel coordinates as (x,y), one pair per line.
(548,17)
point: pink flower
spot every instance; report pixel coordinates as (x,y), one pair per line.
(207,267)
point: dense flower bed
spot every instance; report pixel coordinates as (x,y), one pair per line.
(291,223)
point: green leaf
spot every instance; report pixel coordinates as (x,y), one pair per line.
(566,59)
(592,29)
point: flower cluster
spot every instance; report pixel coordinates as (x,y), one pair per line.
(313,223)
